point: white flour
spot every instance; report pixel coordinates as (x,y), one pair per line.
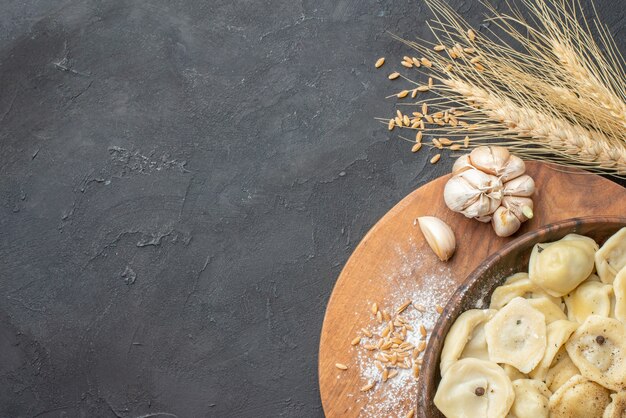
(396,396)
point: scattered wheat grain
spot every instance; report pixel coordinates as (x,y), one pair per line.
(367,387)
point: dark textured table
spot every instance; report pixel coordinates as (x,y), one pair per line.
(181,183)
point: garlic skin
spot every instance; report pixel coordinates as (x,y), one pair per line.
(513,169)
(439,236)
(504,222)
(522,207)
(461,164)
(489,185)
(473,193)
(491,160)
(521,186)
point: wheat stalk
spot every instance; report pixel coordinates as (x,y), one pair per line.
(558,136)
(594,91)
(554,96)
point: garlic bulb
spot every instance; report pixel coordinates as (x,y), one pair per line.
(489,185)
(438,235)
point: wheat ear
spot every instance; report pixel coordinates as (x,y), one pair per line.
(557,135)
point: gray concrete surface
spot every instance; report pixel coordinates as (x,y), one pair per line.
(180,184)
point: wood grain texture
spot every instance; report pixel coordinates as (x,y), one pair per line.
(393,259)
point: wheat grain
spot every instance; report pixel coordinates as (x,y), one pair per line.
(341,366)
(367,387)
(393,76)
(374,308)
(379,62)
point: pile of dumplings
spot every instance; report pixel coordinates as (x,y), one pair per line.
(551,344)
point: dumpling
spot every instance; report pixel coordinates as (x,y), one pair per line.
(461,333)
(513,373)
(476,347)
(561,371)
(590,298)
(598,349)
(474,388)
(593,278)
(619,288)
(560,266)
(617,407)
(558,332)
(520,286)
(579,398)
(582,238)
(551,311)
(516,335)
(531,399)
(611,257)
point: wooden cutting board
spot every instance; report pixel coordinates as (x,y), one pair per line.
(393,263)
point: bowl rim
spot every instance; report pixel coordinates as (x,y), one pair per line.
(449,312)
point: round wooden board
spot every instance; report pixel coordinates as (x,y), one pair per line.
(393,263)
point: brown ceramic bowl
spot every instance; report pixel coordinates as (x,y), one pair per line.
(475,292)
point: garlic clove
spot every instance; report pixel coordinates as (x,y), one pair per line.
(439,236)
(491,160)
(494,202)
(523,186)
(514,168)
(504,222)
(459,194)
(481,207)
(461,164)
(522,207)
(480,180)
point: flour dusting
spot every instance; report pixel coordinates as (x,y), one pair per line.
(397,396)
